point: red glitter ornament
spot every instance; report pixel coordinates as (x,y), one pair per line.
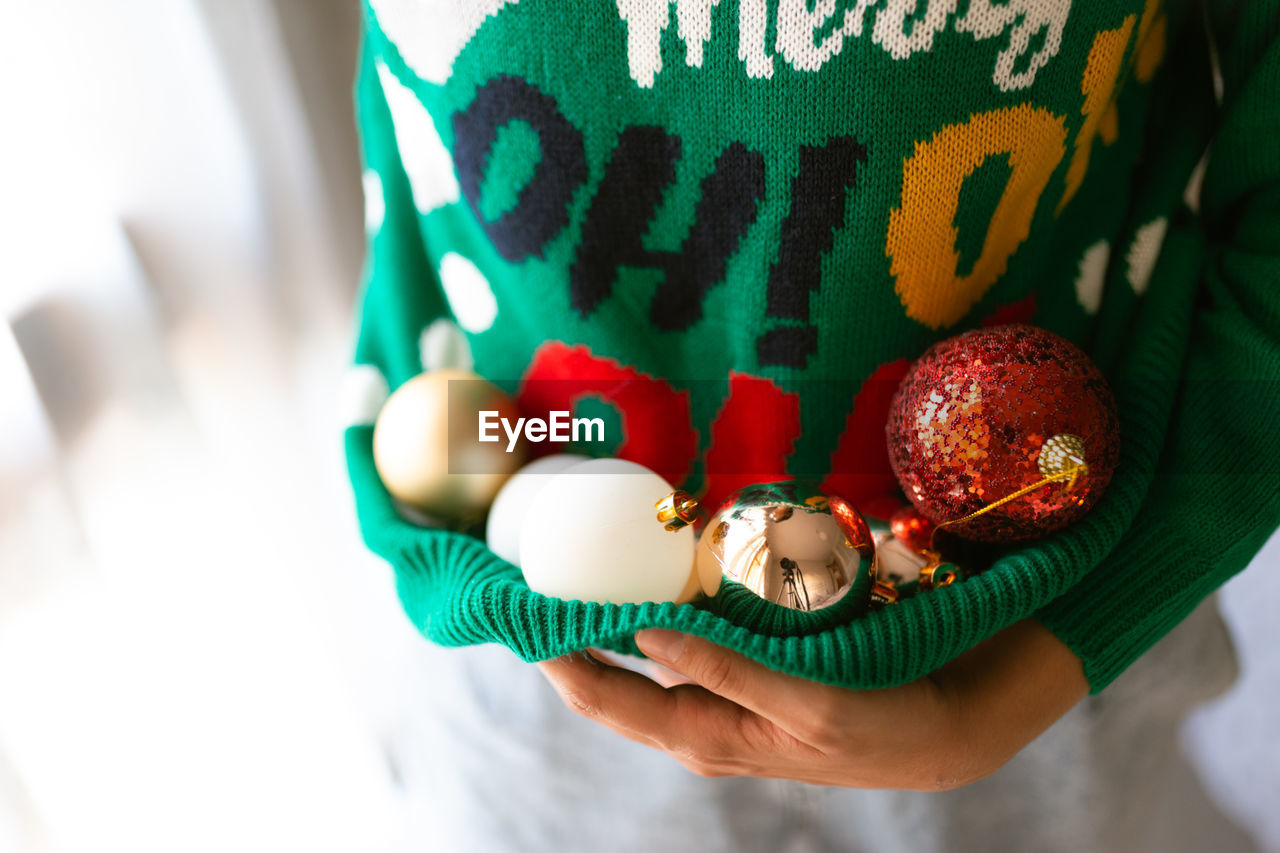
(984,417)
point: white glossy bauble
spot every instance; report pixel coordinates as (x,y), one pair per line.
(502,531)
(592,534)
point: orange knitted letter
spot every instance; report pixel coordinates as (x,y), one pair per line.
(921,240)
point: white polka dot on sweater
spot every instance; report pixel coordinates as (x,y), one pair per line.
(1093,274)
(443,345)
(1144,252)
(364,390)
(468,292)
(426,160)
(431,33)
(375,204)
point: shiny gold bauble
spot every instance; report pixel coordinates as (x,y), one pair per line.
(789,544)
(427,450)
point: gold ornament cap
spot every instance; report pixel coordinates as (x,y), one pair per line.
(883,594)
(678,509)
(1063,455)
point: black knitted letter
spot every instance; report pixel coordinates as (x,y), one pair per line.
(641,167)
(817,211)
(543,207)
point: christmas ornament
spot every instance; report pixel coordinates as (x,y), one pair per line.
(912,529)
(883,594)
(506,516)
(938,574)
(692,588)
(789,544)
(1003,434)
(897,563)
(677,510)
(593,533)
(426,444)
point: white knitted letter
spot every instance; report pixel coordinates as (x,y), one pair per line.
(646,19)
(797,26)
(891,26)
(693,23)
(1027,17)
(753,21)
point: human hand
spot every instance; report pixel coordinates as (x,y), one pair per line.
(740,718)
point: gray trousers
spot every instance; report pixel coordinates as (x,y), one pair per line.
(492,761)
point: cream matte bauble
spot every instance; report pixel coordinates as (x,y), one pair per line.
(506,517)
(426,444)
(592,534)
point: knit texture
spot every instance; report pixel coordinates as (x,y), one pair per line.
(729,226)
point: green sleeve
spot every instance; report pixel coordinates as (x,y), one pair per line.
(1216,496)
(401,293)
(400,297)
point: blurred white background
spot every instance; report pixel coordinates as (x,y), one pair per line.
(196,652)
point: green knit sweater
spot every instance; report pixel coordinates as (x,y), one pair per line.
(733,223)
